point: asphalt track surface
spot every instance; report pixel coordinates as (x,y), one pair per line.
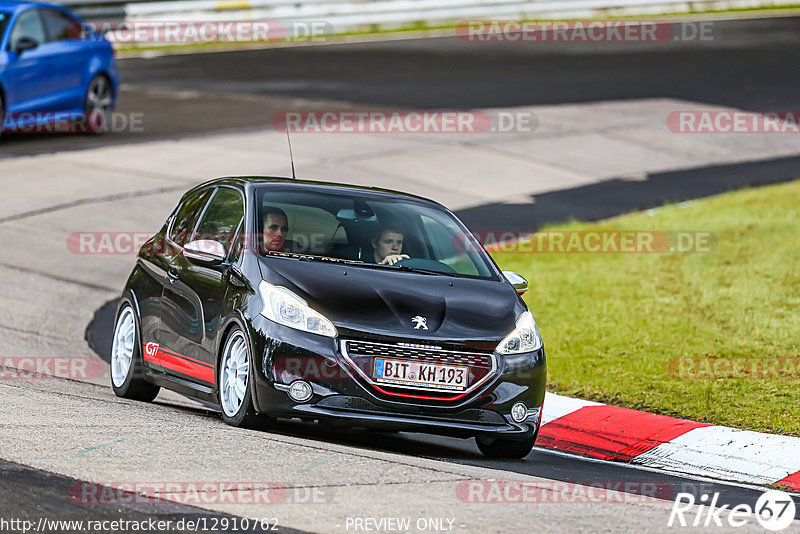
(748,64)
(30,494)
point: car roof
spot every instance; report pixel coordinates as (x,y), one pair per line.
(14,6)
(246,182)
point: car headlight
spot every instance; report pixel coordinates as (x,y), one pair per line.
(286,308)
(524,338)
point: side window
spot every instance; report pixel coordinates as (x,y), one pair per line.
(58,25)
(4,17)
(222,217)
(28,25)
(187,215)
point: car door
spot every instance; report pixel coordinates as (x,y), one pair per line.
(27,75)
(194,300)
(69,56)
(163,311)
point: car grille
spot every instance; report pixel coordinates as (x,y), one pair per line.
(362,354)
(470,359)
(357,404)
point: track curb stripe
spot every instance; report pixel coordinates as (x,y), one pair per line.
(658,441)
(618,434)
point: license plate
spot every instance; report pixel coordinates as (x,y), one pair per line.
(421,374)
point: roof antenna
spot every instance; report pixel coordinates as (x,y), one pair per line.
(291,157)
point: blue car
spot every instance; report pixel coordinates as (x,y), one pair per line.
(51,71)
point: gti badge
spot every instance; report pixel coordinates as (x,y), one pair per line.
(151,348)
(420,322)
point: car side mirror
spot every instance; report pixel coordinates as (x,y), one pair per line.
(519,283)
(25,43)
(205,252)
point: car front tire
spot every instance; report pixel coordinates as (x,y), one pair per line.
(127,367)
(493,447)
(233,379)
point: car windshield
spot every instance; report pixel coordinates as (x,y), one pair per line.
(367,230)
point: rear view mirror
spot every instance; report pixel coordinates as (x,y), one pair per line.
(25,43)
(205,251)
(519,283)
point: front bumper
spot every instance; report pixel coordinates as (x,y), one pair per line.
(343,396)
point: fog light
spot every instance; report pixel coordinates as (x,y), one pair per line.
(519,412)
(300,391)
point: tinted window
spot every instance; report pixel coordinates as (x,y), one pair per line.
(222,217)
(28,25)
(187,216)
(59,25)
(362,228)
(3,23)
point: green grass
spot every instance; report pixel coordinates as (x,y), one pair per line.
(612,322)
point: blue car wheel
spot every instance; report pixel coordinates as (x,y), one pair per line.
(97,104)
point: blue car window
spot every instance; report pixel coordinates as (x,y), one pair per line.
(59,25)
(28,25)
(3,23)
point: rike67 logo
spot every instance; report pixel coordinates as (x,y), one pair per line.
(774,510)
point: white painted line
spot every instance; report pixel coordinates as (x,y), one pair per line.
(556,406)
(659,470)
(729,453)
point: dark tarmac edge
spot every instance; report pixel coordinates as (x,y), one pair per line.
(28,494)
(748,64)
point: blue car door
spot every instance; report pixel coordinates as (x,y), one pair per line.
(27,75)
(69,56)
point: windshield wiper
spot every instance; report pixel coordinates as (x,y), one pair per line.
(357,263)
(405,268)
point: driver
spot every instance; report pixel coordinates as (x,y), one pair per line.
(388,245)
(276,226)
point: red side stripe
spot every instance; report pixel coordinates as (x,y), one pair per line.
(611,433)
(148,358)
(201,372)
(181,364)
(185,357)
(793,481)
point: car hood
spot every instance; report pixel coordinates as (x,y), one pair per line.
(390,303)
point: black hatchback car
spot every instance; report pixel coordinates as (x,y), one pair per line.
(361,307)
